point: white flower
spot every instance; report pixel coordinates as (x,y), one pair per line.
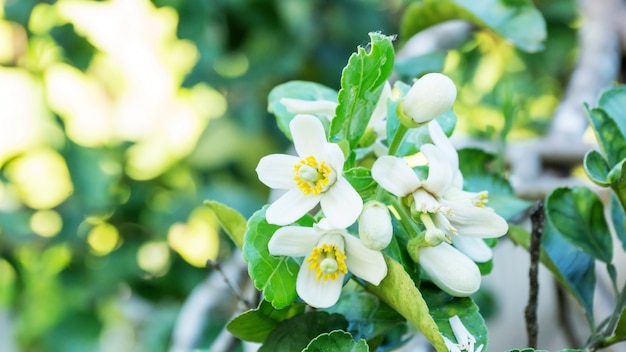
(330,252)
(450,270)
(313,177)
(325,108)
(465,341)
(429,97)
(375,229)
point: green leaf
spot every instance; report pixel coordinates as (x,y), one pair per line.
(295,334)
(361,85)
(398,291)
(417,66)
(475,165)
(336,341)
(360,178)
(443,307)
(296,90)
(612,101)
(527,350)
(620,329)
(233,223)
(596,168)
(619,220)
(518,21)
(578,214)
(256,324)
(276,276)
(609,137)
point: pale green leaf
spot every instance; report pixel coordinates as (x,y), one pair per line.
(233,223)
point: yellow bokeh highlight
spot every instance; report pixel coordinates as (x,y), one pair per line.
(41,178)
(46,223)
(154,258)
(103,238)
(232,66)
(197,240)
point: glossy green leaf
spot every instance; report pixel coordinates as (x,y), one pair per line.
(518,21)
(336,341)
(612,101)
(398,291)
(361,85)
(275,275)
(578,214)
(443,307)
(297,90)
(233,223)
(256,324)
(596,168)
(475,165)
(608,135)
(296,333)
(360,178)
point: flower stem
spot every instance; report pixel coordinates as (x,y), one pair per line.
(397,139)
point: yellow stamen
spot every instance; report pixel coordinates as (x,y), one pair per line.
(480,200)
(328,262)
(312,177)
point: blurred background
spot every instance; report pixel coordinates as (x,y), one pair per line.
(119,118)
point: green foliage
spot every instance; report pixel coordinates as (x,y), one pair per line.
(256,324)
(231,221)
(336,341)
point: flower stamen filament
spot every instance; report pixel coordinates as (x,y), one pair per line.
(434,235)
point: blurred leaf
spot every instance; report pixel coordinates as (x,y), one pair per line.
(360,178)
(276,276)
(618,219)
(361,85)
(417,66)
(518,21)
(578,215)
(474,165)
(596,168)
(398,291)
(297,90)
(256,324)
(336,341)
(295,334)
(527,350)
(233,223)
(612,101)
(620,329)
(443,307)
(608,135)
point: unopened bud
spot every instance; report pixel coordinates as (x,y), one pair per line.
(429,97)
(375,229)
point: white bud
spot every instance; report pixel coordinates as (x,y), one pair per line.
(375,229)
(429,97)
(450,269)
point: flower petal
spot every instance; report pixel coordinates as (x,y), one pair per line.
(300,106)
(475,248)
(290,207)
(276,171)
(341,204)
(476,222)
(380,111)
(363,262)
(442,142)
(395,175)
(317,293)
(295,241)
(439,172)
(450,269)
(308,135)
(331,154)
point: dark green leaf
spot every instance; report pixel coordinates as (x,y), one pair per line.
(619,220)
(233,223)
(296,90)
(578,215)
(620,329)
(361,85)
(596,168)
(518,21)
(608,135)
(612,102)
(336,341)
(295,334)
(256,324)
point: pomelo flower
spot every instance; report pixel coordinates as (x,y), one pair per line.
(313,177)
(330,253)
(375,228)
(430,96)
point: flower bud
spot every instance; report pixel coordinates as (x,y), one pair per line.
(429,97)
(375,229)
(450,269)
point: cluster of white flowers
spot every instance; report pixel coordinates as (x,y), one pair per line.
(455,221)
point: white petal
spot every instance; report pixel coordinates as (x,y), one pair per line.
(452,347)
(276,171)
(331,154)
(319,294)
(295,241)
(450,269)
(477,222)
(300,106)
(395,175)
(363,262)
(375,228)
(441,140)
(380,111)
(439,171)
(429,97)
(290,207)
(341,204)
(308,135)
(475,248)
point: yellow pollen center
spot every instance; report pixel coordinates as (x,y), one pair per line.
(312,177)
(328,262)
(481,199)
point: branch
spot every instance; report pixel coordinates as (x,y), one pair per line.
(537,218)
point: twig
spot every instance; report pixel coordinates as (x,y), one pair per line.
(537,218)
